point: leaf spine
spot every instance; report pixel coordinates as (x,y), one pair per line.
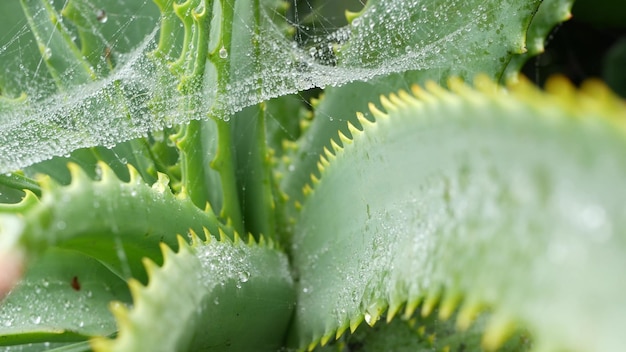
(387,104)
(378,114)
(498,330)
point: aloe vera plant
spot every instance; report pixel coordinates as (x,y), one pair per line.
(169,184)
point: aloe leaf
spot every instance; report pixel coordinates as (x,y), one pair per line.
(254,171)
(59,53)
(506,200)
(117,222)
(63,298)
(548,15)
(222,295)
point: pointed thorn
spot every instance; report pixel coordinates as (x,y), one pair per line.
(355,322)
(324,340)
(376,112)
(353,130)
(342,329)
(429,303)
(343,138)
(396,101)
(135,177)
(468,312)
(307,190)
(329,155)
(387,104)
(207,235)
(411,307)
(498,330)
(135,286)
(448,305)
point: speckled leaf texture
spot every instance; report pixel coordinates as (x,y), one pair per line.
(505,200)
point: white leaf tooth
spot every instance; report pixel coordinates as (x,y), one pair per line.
(387,104)
(342,329)
(106,172)
(430,302)
(378,114)
(78,175)
(449,303)
(407,99)
(135,176)
(498,330)
(395,100)
(365,123)
(353,130)
(467,314)
(345,140)
(422,95)
(328,154)
(335,147)
(355,322)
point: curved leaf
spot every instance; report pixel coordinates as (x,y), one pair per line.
(117,222)
(508,200)
(218,296)
(64,297)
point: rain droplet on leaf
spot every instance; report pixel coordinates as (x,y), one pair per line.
(101,16)
(223,53)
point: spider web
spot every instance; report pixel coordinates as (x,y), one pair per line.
(308,45)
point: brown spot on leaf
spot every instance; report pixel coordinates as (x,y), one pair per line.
(75,284)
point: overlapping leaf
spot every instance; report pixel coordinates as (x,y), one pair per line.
(509,201)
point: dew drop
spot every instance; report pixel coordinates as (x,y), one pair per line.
(101,16)
(368,318)
(223,53)
(244,276)
(47,53)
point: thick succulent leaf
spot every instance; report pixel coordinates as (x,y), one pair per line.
(218,296)
(550,13)
(63,297)
(332,112)
(117,222)
(509,200)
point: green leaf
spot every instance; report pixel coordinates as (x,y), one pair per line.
(64,297)
(550,13)
(507,200)
(114,221)
(218,296)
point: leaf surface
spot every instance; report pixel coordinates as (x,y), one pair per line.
(505,200)
(64,297)
(218,296)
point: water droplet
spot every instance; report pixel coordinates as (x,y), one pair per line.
(101,16)
(368,318)
(35,319)
(223,53)
(244,276)
(47,53)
